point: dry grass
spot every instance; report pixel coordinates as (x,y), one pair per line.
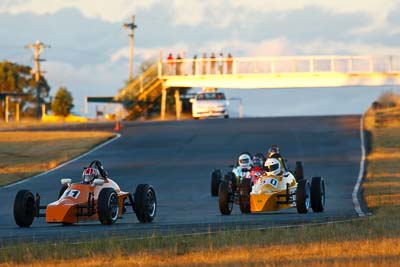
(372,241)
(370,253)
(23,154)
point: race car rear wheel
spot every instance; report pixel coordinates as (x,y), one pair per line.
(303,196)
(317,194)
(145,203)
(24,208)
(298,171)
(108,206)
(216,177)
(244,203)
(225,198)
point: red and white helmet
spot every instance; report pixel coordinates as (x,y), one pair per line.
(89,174)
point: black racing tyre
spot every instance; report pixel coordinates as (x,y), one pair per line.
(225,200)
(216,176)
(62,190)
(245,190)
(303,196)
(298,171)
(226,116)
(108,206)
(145,203)
(231,177)
(24,208)
(317,194)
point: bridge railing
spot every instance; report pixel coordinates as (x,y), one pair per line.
(280,65)
(140,83)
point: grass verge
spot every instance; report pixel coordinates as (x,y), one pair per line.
(371,241)
(24,154)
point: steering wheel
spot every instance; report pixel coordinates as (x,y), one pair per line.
(97,164)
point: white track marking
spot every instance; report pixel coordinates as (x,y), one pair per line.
(65,163)
(356,190)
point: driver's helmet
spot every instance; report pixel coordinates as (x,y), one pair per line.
(274,149)
(244,161)
(272,167)
(89,174)
(258,161)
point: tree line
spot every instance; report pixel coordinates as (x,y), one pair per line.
(18,81)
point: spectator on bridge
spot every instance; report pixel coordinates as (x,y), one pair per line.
(229,62)
(212,63)
(194,65)
(204,64)
(170,62)
(178,65)
(221,63)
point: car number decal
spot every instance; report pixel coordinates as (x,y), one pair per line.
(270,181)
(72,193)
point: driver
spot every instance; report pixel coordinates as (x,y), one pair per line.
(89,174)
(245,161)
(273,152)
(258,161)
(273,167)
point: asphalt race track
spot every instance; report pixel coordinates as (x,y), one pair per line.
(177,159)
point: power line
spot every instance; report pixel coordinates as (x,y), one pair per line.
(37,50)
(132,26)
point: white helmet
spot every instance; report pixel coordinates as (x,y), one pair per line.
(244,161)
(272,166)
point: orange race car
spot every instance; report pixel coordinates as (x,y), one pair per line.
(97,197)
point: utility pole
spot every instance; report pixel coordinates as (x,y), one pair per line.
(37,50)
(131,26)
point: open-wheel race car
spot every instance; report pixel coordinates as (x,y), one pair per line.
(272,192)
(241,169)
(96,197)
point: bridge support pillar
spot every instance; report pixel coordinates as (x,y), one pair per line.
(178,105)
(163,101)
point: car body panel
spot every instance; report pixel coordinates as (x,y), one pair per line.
(267,193)
(73,207)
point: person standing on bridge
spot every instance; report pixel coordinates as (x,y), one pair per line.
(229,62)
(221,63)
(170,62)
(204,64)
(212,63)
(178,64)
(194,65)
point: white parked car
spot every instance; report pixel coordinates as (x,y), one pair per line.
(209,104)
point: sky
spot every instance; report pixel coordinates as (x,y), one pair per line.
(90,48)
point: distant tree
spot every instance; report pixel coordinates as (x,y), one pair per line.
(62,102)
(15,78)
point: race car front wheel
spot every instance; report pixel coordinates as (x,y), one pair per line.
(108,206)
(303,196)
(299,172)
(216,177)
(225,198)
(245,189)
(145,203)
(24,208)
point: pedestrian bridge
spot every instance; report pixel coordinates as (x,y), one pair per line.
(281,72)
(262,73)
